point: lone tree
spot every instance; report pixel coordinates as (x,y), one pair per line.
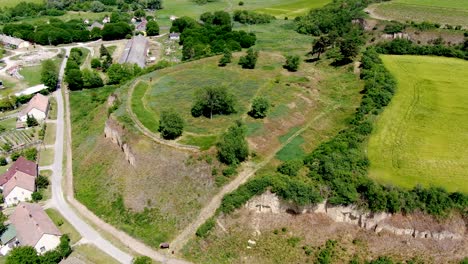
(233,147)
(171,124)
(152,28)
(49,74)
(292,63)
(31,121)
(250,60)
(320,45)
(260,106)
(211,101)
(226,58)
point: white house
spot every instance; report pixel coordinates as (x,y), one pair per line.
(34,228)
(19,189)
(37,107)
(19,181)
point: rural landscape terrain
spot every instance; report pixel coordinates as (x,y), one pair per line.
(221,131)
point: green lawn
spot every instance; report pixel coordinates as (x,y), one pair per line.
(421,137)
(52,108)
(68,16)
(11,3)
(9,123)
(32,75)
(63,225)
(50,134)
(453,12)
(46,157)
(92,255)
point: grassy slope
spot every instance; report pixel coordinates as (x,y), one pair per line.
(63,225)
(453,12)
(421,137)
(118,192)
(10,3)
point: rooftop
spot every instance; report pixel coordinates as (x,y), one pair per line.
(135,51)
(39,102)
(31,223)
(21,164)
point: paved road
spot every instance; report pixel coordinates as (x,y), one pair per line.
(58,199)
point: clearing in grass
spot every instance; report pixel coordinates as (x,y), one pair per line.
(421,136)
(452,12)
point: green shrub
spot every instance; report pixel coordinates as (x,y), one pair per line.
(260,107)
(290,167)
(205,228)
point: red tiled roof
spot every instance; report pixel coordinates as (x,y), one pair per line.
(39,101)
(21,180)
(21,164)
(31,223)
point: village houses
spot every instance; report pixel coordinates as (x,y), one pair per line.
(19,182)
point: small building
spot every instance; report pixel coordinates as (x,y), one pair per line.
(8,240)
(95,24)
(135,51)
(37,107)
(174,36)
(86,21)
(172,18)
(19,181)
(32,90)
(106,20)
(34,228)
(13,43)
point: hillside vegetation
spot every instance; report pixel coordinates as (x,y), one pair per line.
(453,12)
(421,137)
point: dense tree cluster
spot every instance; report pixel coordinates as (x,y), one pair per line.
(152,28)
(334,25)
(119,73)
(78,79)
(210,37)
(118,30)
(53,33)
(251,17)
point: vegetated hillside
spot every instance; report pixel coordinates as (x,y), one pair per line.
(151,200)
(291,238)
(453,12)
(296,98)
(421,137)
(291,8)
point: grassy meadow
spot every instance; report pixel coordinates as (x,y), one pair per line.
(452,12)
(421,136)
(10,3)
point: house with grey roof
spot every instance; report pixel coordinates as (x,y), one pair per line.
(8,240)
(135,51)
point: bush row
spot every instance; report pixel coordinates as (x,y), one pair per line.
(403,46)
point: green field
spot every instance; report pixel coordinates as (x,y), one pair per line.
(421,137)
(453,12)
(10,3)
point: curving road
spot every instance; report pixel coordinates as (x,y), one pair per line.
(58,200)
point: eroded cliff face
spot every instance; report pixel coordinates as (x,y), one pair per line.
(418,227)
(115,132)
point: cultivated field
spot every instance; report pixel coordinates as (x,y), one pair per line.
(421,137)
(453,12)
